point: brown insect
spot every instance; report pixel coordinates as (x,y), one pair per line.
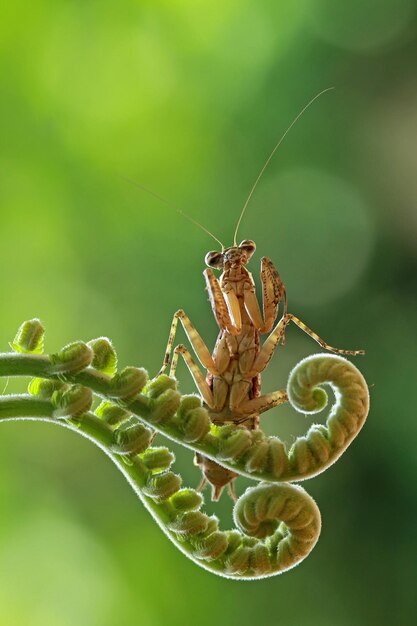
(231,389)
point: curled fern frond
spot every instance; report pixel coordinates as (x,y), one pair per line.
(72,358)
(29,337)
(277,523)
(105,357)
(71,402)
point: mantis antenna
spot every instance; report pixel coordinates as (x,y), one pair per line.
(295,120)
(172,206)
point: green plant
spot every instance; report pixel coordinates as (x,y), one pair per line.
(277,523)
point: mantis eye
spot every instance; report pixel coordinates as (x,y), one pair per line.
(214,259)
(248,246)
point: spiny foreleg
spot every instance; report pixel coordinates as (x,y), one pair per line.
(273,291)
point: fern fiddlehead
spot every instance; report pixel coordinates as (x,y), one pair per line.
(277,523)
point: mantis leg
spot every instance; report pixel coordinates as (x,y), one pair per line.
(213,398)
(277,335)
(321,341)
(200,348)
(273,291)
(232,491)
(268,348)
(198,377)
(263,403)
(225,305)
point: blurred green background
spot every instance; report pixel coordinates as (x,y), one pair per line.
(188,97)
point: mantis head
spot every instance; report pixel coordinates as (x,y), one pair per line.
(235,255)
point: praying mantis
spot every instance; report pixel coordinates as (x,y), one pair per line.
(231,389)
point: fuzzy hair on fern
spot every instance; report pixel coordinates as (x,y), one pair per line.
(277,523)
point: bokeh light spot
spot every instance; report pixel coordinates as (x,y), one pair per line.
(322,236)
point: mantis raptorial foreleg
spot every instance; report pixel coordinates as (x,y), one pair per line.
(224,310)
(272,292)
